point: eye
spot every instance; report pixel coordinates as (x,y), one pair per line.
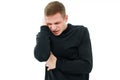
(49,24)
(57,23)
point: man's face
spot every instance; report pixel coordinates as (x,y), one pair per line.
(56,23)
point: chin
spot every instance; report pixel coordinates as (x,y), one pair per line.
(56,34)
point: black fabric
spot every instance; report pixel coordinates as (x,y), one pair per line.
(72,49)
(42,48)
(49,75)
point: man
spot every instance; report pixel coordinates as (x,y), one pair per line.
(65,48)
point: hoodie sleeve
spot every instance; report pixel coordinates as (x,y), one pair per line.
(42,48)
(83,64)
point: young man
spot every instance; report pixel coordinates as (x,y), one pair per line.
(65,48)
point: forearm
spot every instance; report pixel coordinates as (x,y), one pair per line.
(74,66)
(42,48)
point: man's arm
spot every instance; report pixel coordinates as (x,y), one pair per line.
(84,63)
(42,48)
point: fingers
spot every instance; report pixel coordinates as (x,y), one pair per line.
(48,68)
(46,65)
(44,22)
(51,62)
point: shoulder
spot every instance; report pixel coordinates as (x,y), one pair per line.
(78,28)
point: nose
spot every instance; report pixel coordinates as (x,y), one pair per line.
(53,27)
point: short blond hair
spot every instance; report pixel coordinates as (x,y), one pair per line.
(53,8)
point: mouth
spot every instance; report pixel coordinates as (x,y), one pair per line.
(55,32)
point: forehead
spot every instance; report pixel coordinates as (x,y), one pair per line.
(54,18)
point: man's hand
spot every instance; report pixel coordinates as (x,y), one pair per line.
(44,22)
(51,62)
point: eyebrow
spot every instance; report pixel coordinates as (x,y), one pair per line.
(55,22)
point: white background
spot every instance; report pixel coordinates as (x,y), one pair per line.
(20,21)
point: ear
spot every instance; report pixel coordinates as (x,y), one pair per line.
(66,18)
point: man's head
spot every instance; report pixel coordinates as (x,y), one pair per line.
(55,17)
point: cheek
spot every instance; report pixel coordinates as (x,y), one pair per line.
(60,27)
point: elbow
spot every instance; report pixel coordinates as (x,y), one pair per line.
(41,55)
(89,68)
(41,58)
